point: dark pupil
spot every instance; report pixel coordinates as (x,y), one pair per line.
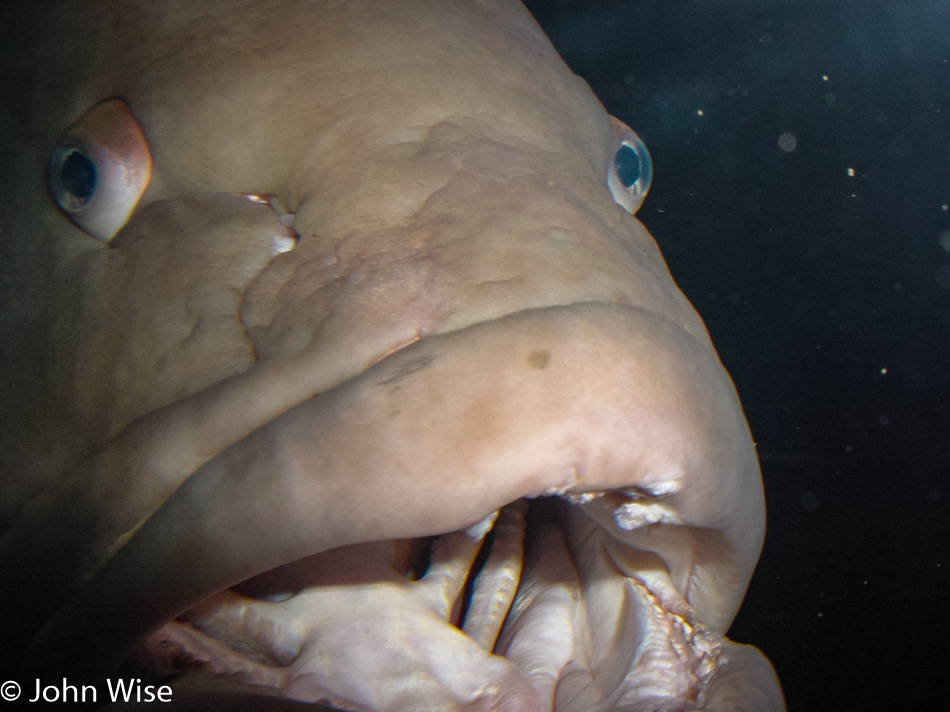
(627,164)
(78,175)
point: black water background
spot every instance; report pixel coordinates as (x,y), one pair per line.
(827,296)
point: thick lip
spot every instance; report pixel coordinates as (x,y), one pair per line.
(561,400)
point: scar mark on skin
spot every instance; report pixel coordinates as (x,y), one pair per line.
(539,359)
(413,365)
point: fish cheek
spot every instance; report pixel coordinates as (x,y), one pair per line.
(154,319)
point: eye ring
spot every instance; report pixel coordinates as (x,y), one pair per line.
(631,169)
(99,169)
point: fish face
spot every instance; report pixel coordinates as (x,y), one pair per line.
(335,362)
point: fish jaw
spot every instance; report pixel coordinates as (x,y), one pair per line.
(589,421)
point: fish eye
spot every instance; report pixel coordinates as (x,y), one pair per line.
(99,169)
(631,169)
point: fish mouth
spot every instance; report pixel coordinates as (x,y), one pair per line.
(555,510)
(476,619)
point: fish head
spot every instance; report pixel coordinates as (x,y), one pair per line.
(292,282)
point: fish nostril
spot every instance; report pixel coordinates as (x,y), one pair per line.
(287,239)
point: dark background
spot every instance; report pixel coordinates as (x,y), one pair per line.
(827,296)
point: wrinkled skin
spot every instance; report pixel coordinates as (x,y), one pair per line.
(478,318)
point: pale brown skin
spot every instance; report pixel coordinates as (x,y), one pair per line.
(481,319)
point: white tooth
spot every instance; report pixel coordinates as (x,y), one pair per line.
(661,489)
(497,582)
(633,515)
(582,497)
(639,507)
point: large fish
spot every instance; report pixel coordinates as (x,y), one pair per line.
(335,368)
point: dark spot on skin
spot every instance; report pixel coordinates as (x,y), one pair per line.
(411,366)
(539,359)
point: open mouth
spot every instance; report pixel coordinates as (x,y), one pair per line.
(475,619)
(556,510)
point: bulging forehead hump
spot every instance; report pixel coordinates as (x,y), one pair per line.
(271,84)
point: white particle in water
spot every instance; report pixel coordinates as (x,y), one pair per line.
(787,142)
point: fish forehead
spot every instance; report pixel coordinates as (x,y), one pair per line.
(235,93)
